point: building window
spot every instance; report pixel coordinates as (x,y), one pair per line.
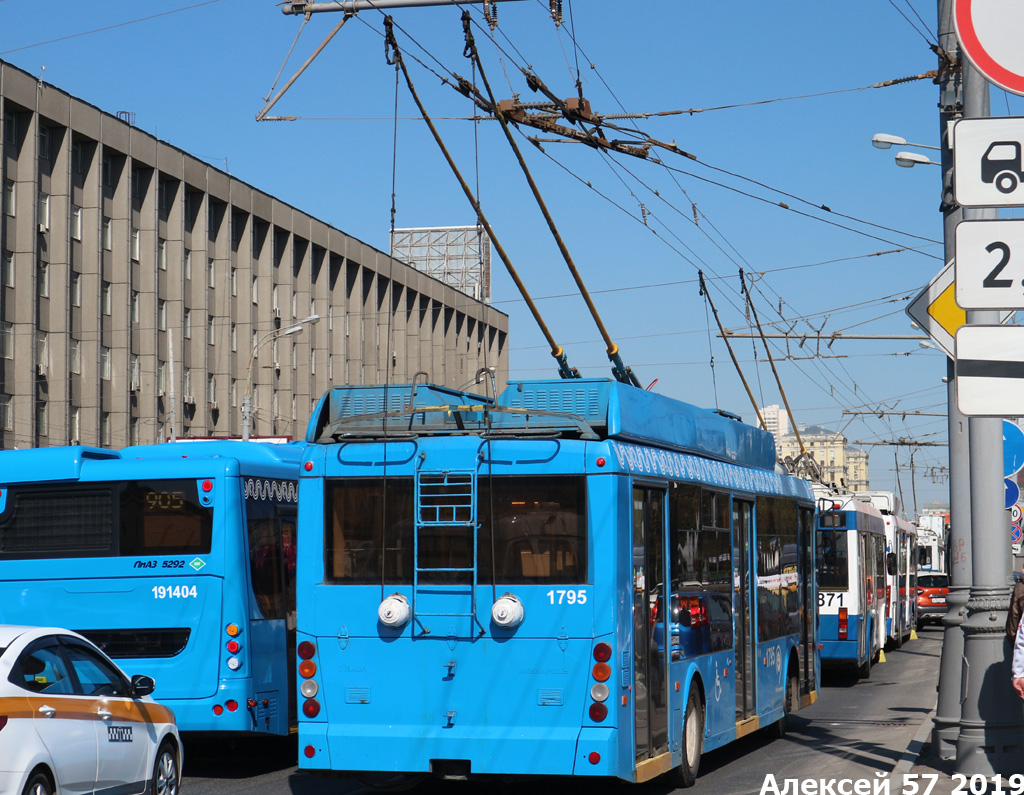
(105,428)
(106,295)
(234,281)
(135,244)
(234,392)
(209,330)
(105,364)
(6,414)
(41,418)
(9,196)
(7,269)
(44,142)
(134,372)
(136,184)
(78,157)
(211,274)
(42,280)
(186,384)
(161,254)
(135,306)
(10,129)
(76,289)
(76,223)
(107,235)
(161,378)
(188,263)
(42,349)
(254,293)
(186,324)
(211,389)
(75,426)
(133,430)
(234,338)
(44,210)
(6,340)
(75,350)
(161,315)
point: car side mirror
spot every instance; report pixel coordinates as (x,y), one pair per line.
(142,685)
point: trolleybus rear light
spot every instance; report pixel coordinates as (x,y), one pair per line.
(309,688)
(307,668)
(602,652)
(594,757)
(233,630)
(233,646)
(218,709)
(306,650)
(311,708)
(234,663)
(231,704)
(844,614)
(601,462)
(602,671)
(308,466)
(599,692)
(207,485)
(309,751)
(598,712)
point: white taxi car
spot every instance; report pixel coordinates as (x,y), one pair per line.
(72,722)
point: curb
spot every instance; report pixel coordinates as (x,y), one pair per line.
(910,756)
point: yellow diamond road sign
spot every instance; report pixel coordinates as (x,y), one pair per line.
(936,311)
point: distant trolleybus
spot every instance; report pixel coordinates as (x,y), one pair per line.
(576,578)
(851,580)
(176,559)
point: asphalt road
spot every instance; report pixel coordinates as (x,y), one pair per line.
(856,729)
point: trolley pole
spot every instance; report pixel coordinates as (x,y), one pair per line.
(947,711)
(991,721)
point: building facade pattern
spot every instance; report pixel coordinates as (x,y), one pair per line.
(839,463)
(141,292)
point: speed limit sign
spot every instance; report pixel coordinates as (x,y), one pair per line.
(1015,514)
(990,264)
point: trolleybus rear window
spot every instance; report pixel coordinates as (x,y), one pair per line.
(533,529)
(833,559)
(131,519)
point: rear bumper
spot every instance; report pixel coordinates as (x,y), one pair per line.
(502,750)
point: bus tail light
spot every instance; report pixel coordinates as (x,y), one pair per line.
(311,708)
(231,704)
(844,623)
(600,691)
(309,687)
(602,652)
(598,712)
(307,668)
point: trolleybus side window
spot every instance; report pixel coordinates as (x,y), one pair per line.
(270,523)
(778,610)
(106,520)
(702,560)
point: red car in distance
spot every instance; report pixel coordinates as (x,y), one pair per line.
(932,590)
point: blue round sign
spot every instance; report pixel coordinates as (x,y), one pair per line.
(1011,492)
(1013,448)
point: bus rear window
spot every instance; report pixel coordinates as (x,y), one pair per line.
(105,520)
(833,560)
(530,530)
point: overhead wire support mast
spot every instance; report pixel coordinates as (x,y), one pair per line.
(391,46)
(352,6)
(621,372)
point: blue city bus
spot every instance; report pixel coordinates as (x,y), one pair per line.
(851,560)
(176,559)
(577,577)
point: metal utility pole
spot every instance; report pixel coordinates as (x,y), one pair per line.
(947,711)
(991,720)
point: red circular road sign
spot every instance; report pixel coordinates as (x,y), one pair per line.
(989,32)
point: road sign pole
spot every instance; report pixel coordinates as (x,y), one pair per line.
(990,722)
(947,710)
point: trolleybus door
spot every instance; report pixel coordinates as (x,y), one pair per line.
(650,631)
(863,588)
(743,614)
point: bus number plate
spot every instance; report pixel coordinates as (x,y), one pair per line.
(175,592)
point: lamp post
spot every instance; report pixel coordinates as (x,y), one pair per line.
(294,328)
(886,141)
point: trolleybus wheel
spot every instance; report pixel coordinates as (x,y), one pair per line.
(693,741)
(779,728)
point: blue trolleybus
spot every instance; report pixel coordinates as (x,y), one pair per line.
(575,578)
(851,581)
(176,559)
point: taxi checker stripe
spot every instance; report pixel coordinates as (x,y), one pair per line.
(84,708)
(987,368)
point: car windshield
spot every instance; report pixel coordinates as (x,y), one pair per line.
(933,581)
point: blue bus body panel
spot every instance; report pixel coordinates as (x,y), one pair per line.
(197,593)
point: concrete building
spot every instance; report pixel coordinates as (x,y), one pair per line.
(776,422)
(144,293)
(839,463)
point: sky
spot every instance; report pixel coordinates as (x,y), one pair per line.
(776,102)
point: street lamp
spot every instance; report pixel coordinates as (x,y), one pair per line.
(294,328)
(911,159)
(886,141)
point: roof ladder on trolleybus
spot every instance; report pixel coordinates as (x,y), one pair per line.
(445,526)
